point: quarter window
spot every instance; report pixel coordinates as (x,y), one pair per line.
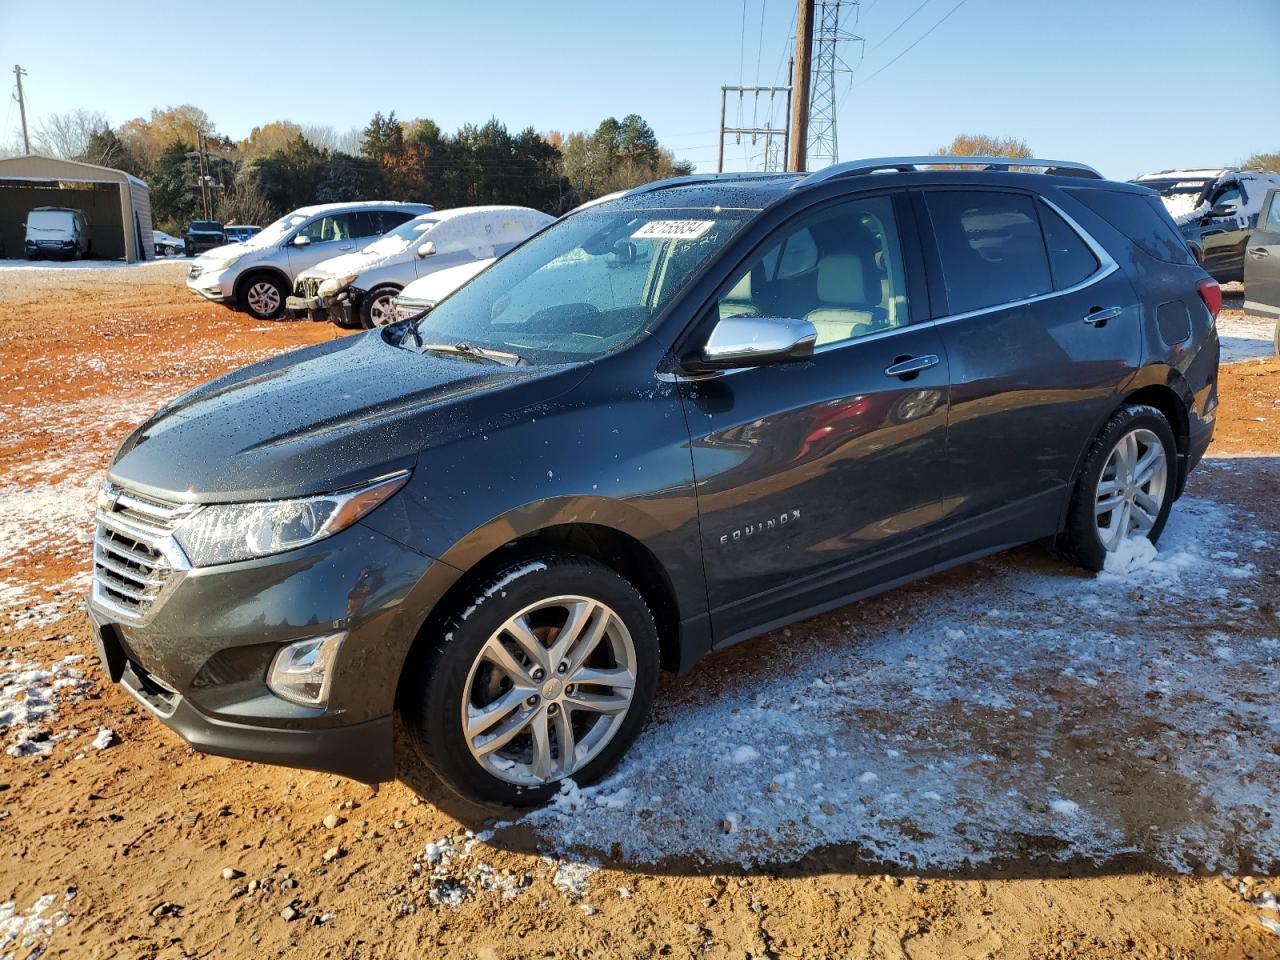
(991,248)
(840,269)
(1070,258)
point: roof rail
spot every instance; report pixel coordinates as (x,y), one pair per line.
(855,168)
(692,178)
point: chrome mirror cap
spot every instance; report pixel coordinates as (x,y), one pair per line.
(746,341)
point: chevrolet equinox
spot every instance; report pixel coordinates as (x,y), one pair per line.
(681,416)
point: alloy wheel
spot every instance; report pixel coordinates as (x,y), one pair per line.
(548,690)
(382,310)
(1132,489)
(263,298)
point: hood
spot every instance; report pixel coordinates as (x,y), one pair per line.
(357,262)
(434,287)
(221,252)
(320,419)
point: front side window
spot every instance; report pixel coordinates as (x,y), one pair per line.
(991,248)
(840,269)
(584,286)
(328,229)
(1272,224)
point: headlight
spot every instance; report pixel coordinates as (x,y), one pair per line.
(226,532)
(335,285)
(224,262)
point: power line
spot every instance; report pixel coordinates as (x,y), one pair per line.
(885,38)
(910,48)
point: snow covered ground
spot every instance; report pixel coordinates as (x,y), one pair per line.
(1245,338)
(13,264)
(1014,708)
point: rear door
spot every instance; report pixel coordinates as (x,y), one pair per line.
(1262,263)
(818,479)
(1042,330)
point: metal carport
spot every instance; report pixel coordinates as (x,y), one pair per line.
(117,204)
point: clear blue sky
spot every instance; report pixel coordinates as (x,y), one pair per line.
(1128,85)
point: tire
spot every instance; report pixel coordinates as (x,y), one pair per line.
(1085,541)
(377,308)
(262,295)
(189,250)
(459,671)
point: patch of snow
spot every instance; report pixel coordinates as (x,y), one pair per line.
(1132,554)
(26,933)
(499,586)
(1067,808)
(744,754)
(1245,337)
(104,739)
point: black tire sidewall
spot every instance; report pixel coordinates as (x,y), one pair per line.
(433,701)
(1082,541)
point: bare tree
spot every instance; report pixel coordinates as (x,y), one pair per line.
(324,137)
(67,135)
(982,145)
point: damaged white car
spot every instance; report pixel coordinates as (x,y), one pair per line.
(359,289)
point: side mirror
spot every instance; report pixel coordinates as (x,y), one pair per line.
(1224,210)
(426,249)
(301,240)
(754,341)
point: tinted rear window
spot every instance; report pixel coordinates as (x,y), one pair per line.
(1143,219)
(208,225)
(991,248)
(1069,256)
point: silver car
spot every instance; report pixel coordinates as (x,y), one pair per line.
(257,275)
(359,289)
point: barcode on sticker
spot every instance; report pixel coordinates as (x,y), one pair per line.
(673,230)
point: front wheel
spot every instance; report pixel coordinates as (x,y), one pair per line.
(262,297)
(1125,489)
(544,673)
(378,308)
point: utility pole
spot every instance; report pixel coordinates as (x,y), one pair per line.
(768,131)
(799,126)
(18,74)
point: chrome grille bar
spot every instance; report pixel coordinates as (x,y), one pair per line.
(136,561)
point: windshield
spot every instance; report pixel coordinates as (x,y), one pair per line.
(584,286)
(396,240)
(277,231)
(49,220)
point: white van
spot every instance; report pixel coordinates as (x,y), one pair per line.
(57,231)
(359,289)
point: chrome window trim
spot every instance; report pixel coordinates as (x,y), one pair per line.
(1106,267)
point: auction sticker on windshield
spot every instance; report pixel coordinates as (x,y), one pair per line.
(673,230)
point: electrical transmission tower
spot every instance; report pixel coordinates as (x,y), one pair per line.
(773,135)
(832,21)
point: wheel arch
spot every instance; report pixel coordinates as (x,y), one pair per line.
(511,539)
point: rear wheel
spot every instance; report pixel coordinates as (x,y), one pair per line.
(262,296)
(545,673)
(1125,488)
(378,308)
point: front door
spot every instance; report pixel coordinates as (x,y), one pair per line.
(1042,331)
(822,478)
(327,236)
(1262,264)
(1223,237)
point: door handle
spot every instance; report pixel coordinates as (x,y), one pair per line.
(1259,252)
(347,246)
(910,365)
(1099,316)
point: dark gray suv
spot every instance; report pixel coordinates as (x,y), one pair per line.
(679,417)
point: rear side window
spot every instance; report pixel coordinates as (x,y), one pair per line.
(1070,258)
(1143,219)
(991,248)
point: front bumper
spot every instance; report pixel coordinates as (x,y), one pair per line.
(218,286)
(342,308)
(199,663)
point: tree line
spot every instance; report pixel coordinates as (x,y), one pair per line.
(283,165)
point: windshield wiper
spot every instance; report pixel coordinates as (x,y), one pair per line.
(477,353)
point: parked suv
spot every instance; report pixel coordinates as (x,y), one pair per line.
(1216,212)
(56,231)
(202,235)
(359,288)
(258,274)
(239,233)
(667,422)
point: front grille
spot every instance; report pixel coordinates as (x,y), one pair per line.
(307,286)
(135,558)
(194,272)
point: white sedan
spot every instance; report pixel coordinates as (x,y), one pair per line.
(167,245)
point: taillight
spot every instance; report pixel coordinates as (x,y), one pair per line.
(1211,294)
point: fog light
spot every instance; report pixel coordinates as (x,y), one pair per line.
(302,671)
